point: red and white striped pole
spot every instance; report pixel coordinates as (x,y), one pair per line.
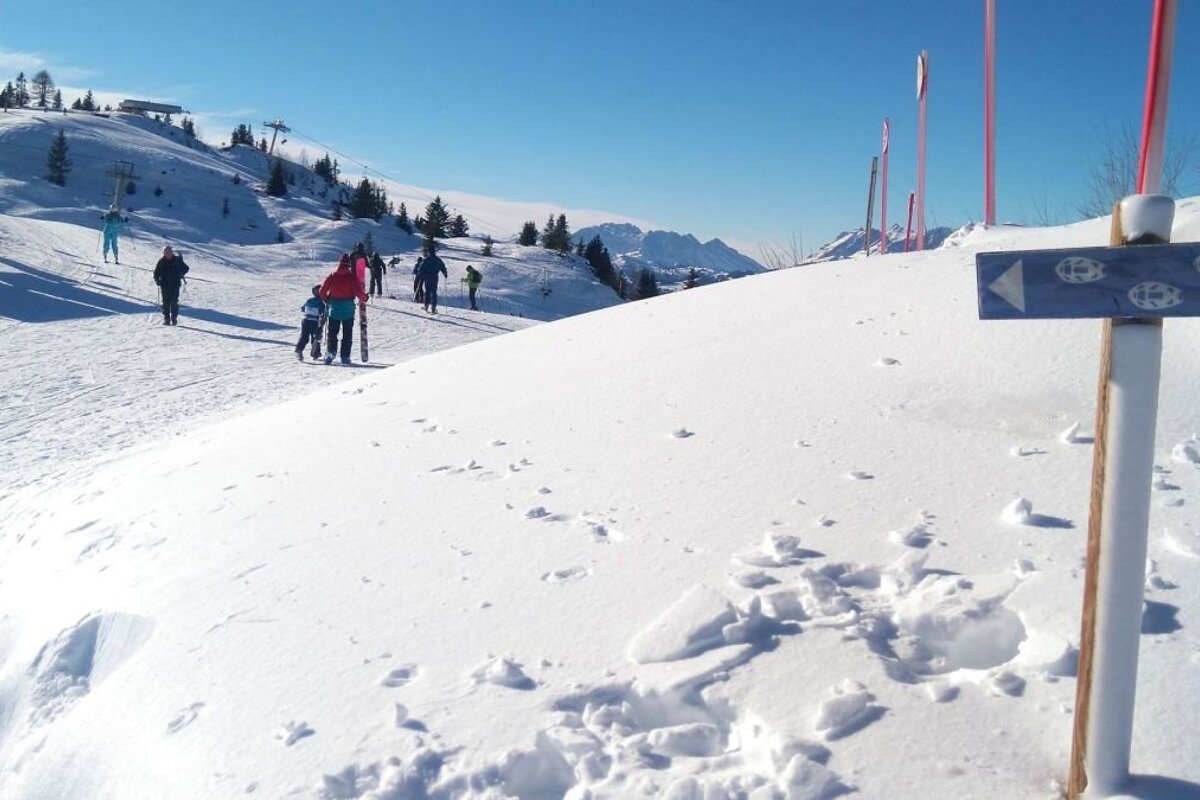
(989,113)
(1123,463)
(1154,115)
(922,95)
(883,228)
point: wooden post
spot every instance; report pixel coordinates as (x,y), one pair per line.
(871,202)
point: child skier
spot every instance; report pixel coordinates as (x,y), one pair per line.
(310,326)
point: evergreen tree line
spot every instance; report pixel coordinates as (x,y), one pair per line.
(40,92)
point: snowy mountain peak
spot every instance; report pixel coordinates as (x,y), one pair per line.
(671,255)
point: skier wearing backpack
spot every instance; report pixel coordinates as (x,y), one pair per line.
(340,290)
(378,270)
(474,278)
(168,274)
(430,268)
(113,222)
(310,326)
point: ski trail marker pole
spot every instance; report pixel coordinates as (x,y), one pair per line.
(989,113)
(883,228)
(1126,415)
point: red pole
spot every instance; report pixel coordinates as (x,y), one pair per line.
(989,113)
(1158,80)
(908,229)
(883,229)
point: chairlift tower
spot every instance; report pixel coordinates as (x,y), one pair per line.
(276,126)
(122,173)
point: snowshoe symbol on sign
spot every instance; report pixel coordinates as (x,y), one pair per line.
(1078,269)
(1154,296)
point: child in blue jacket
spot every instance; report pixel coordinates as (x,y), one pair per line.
(310,326)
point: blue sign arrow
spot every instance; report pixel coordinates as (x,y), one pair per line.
(1161,280)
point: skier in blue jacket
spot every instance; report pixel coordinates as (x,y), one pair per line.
(113,222)
(310,326)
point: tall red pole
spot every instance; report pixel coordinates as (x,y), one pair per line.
(989,113)
(1154,115)
(883,228)
(922,94)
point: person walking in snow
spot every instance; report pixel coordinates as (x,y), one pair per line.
(310,326)
(340,290)
(430,268)
(168,274)
(418,281)
(474,278)
(113,222)
(378,270)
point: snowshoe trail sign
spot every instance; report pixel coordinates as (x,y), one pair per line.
(1144,281)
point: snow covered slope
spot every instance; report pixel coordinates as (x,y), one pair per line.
(746,541)
(91,372)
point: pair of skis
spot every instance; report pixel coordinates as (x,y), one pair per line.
(360,267)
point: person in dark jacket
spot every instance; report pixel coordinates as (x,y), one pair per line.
(310,326)
(430,268)
(340,290)
(168,274)
(418,281)
(378,270)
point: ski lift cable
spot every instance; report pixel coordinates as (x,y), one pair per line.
(385,176)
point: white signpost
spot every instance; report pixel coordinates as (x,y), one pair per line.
(1133,287)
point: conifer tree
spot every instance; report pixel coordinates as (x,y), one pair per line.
(487,245)
(437,217)
(327,169)
(76,104)
(557,235)
(57,163)
(277,185)
(189,127)
(690,283)
(89,101)
(402,220)
(6,96)
(362,203)
(57,104)
(600,261)
(529,235)
(645,284)
(21,91)
(458,227)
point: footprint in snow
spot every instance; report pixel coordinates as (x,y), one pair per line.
(537,512)
(497,443)
(1186,453)
(184,718)
(849,709)
(1072,436)
(291,732)
(400,676)
(1023,452)
(859,475)
(503,672)
(887,362)
(565,575)
(682,433)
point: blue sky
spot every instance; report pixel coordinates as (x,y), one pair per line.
(754,121)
